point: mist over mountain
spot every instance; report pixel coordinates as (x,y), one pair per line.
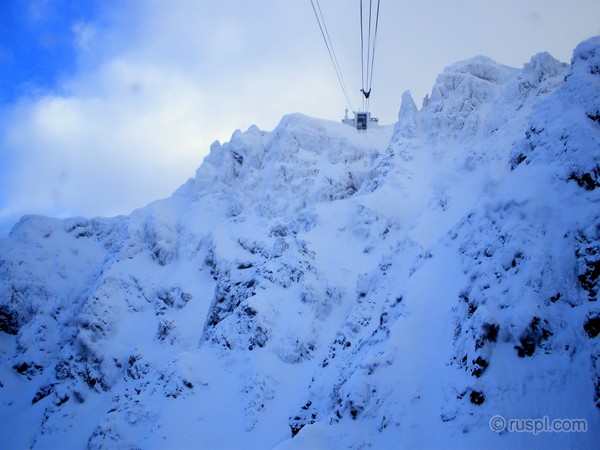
(320,287)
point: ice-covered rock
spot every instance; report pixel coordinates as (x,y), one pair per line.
(315,286)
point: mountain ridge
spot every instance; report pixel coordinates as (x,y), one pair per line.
(315,285)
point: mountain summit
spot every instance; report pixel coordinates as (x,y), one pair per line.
(422,285)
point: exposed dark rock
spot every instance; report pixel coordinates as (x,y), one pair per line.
(28,369)
(62,370)
(527,347)
(587,180)
(480,366)
(592,326)
(516,160)
(490,331)
(296,429)
(534,336)
(594,116)
(589,279)
(476,397)
(165,329)
(555,298)
(42,392)
(9,321)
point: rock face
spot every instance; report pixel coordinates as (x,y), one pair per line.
(315,285)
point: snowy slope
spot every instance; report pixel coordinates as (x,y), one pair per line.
(319,287)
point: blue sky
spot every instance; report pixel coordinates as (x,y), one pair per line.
(107,105)
(38,43)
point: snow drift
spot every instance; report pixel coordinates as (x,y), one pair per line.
(315,286)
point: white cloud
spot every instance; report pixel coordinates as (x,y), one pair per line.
(94,153)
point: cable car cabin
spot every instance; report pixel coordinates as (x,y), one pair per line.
(361,121)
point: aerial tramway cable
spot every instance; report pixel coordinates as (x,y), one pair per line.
(370,40)
(329,45)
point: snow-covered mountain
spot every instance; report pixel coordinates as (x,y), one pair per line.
(320,287)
